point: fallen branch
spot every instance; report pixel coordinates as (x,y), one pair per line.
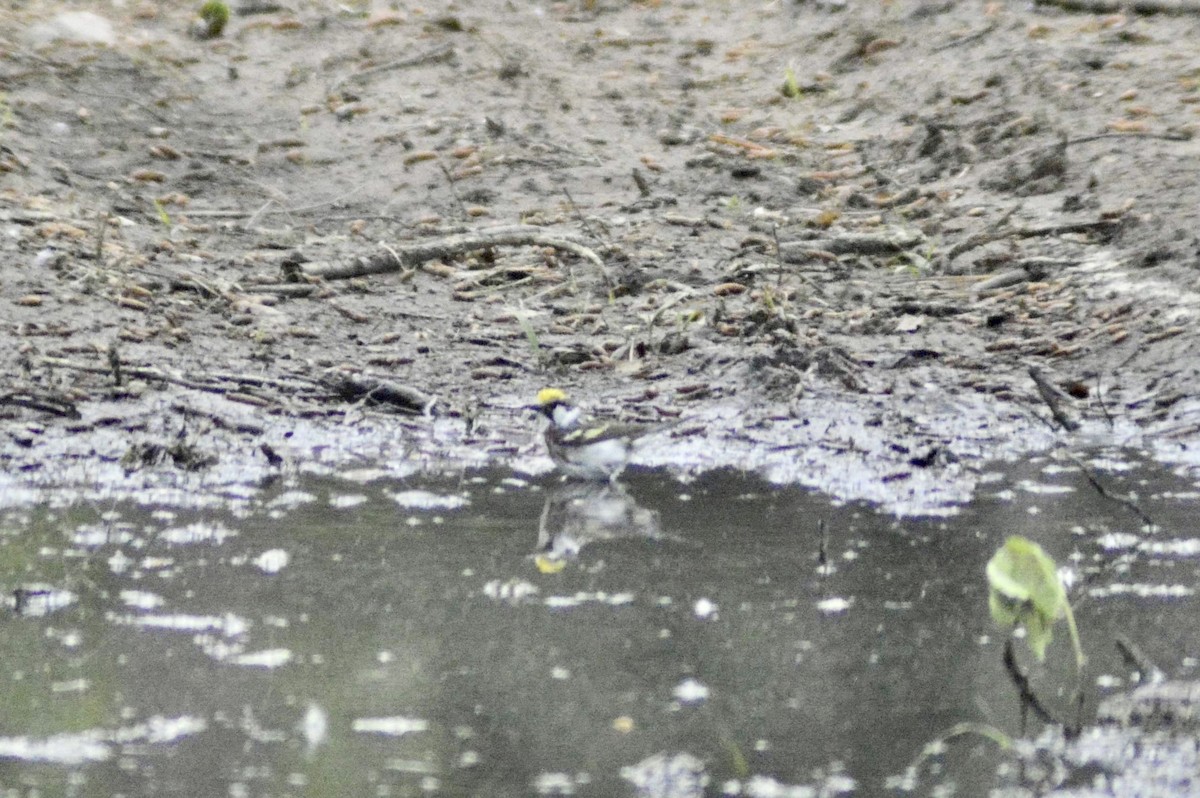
(355,387)
(290,290)
(443,53)
(413,255)
(1053,399)
(217,420)
(1103,226)
(221,383)
(1106,226)
(55,406)
(970,37)
(851,244)
(1178,7)
(1033,269)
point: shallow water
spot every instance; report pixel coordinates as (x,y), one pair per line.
(481,634)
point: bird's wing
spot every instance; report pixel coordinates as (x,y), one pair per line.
(600,432)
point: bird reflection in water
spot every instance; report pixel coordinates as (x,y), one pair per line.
(578,514)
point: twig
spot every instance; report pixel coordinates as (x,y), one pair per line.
(1001,280)
(218,421)
(146,108)
(1134,134)
(129,371)
(986,237)
(274,459)
(412,255)
(970,37)
(114,363)
(1178,7)
(1032,413)
(579,215)
(183,282)
(1100,401)
(853,244)
(639,180)
(1037,149)
(1100,225)
(64,408)
(261,210)
(350,313)
(778,256)
(462,207)
(1053,399)
(289,289)
(1104,226)
(102,227)
(442,53)
(1029,699)
(236,381)
(1103,491)
(1135,658)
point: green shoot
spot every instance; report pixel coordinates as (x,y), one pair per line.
(1025,591)
(163,216)
(790,88)
(937,745)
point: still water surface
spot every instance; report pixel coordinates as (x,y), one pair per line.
(485,635)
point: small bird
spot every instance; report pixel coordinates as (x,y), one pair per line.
(586,451)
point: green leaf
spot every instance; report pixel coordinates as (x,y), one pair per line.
(1026,591)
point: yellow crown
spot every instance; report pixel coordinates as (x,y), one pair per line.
(548,396)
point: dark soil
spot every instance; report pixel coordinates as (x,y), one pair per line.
(834,238)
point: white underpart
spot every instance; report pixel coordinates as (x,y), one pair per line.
(599,459)
(566,416)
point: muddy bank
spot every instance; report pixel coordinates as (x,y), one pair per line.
(827,245)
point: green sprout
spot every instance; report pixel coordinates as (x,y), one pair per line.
(163,216)
(1025,590)
(790,88)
